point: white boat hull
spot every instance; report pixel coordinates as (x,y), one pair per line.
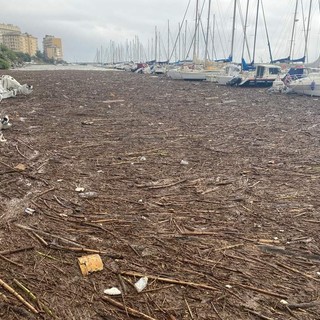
(309,86)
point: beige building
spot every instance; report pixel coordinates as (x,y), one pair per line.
(7,28)
(12,38)
(21,42)
(52,48)
(29,44)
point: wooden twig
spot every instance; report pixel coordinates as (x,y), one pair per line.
(131,311)
(304,305)
(42,241)
(10,261)
(269,293)
(162,186)
(81,250)
(229,247)
(33,297)
(189,310)
(297,271)
(48,234)
(53,258)
(17,295)
(258,315)
(168,280)
(5,252)
(216,311)
(42,193)
(21,154)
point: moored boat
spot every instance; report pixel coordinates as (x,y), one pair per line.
(263,76)
(308,85)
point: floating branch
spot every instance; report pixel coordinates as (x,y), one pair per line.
(131,311)
(17,295)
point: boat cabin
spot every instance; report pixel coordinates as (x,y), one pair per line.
(263,76)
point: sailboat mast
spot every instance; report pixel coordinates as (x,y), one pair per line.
(207,36)
(155,43)
(233,27)
(307,34)
(265,26)
(255,32)
(245,33)
(195,44)
(293,29)
(168,41)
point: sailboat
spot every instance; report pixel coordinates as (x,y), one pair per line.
(196,70)
(256,75)
(230,70)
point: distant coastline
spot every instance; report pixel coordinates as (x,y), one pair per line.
(52,67)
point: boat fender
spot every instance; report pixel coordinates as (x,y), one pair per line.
(313,85)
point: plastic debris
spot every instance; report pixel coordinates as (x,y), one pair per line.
(87,123)
(88,195)
(10,87)
(284,301)
(20,167)
(228,286)
(143,158)
(141,284)
(112,291)
(79,189)
(90,263)
(184,162)
(29,211)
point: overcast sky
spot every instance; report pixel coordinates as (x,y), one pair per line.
(86,26)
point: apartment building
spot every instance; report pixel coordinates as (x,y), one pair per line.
(13,39)
(21,42)
(7,28)
(29,44)
(52,48)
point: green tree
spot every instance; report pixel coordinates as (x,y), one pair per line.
(4,64)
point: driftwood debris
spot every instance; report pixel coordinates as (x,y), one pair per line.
(216,203)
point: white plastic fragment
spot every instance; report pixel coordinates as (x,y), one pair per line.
(228,286)
(318,273)
(112,291)
(141,284)
(88,195)
(29,211)
(79,189)
(184,162)
(284,301)
(143,158)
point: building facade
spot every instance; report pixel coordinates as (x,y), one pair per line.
(52,48)
(13,39)
(21,42)
(7,28)
(29,44)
